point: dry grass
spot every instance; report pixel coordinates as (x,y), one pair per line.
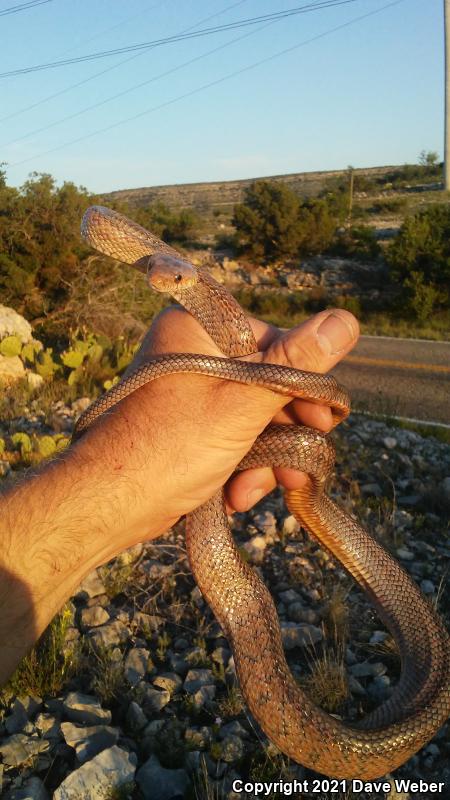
(326,685)
(50,664)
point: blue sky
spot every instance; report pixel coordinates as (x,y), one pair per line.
(368,94)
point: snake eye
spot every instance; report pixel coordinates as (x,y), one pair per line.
(178,278)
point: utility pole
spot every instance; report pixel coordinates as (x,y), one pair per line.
(351,181)
(447,96)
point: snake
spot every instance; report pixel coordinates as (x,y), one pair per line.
(420,701)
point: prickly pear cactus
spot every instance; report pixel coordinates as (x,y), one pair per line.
(10,346)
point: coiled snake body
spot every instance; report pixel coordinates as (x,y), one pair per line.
(420,703)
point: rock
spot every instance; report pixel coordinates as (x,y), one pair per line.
(87,742)
(136,719)
(203,696)
(445,488)
(378,637)
(35,381)
(290,526)
(198,738)
(32,789)
(112,633)
(289,596)
(298,613)
(147,622)
(232,749)
(266,522)
(108,770)
(405,554)
(390,442)
(365,669)
(93,616)
(372,489)
(427,587)
(157,782)
(16,721)
(299,635)
(168,680)
(255,548)
(5,468)
(192,761)
(355,686)
(85,709)
(136,665)
(47,726)
(197,678)
(233,729)
(80,405)
(380,688)
(221,655)
(92,586)
(11,369)
(18,748)
(154,699)
(13,324)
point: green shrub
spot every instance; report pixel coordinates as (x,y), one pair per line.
(422,297)
(420,260)
(274,224)
(357,242)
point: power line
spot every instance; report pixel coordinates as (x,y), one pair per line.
(137,86)
(23,7)
(179,37)
(109,69)
(210,84)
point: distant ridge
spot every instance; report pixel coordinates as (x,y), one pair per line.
(220,194)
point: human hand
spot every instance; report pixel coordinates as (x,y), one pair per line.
(174,442)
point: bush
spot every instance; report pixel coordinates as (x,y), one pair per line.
(423,246)
(358,242)
(422,297)
(419,259)
(267,223)
(273,223)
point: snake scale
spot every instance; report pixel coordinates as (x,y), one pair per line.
(420,702)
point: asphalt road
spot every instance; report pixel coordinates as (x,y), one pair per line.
(399,377)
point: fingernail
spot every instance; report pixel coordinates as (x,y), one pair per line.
(334,335)
(254,496)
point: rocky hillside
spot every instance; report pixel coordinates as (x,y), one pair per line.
(222,194)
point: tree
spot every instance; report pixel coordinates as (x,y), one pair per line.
(273,223)
(428,158)
(419,258)
(267,222)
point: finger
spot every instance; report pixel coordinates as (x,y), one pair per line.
(305,413)
(248,487)
(317,345)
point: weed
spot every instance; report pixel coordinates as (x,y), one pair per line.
(116,578)
(50,664)
(163,644)
(108,678)
(336,615)
(326,684)
(232,704)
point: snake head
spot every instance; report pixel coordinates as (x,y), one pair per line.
(168,274)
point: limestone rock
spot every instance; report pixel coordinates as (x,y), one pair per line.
(11,369)
(85,709)
(157,782)
(87,742)
(110,769)
(13,324)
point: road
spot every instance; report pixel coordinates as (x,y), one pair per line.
(399,377)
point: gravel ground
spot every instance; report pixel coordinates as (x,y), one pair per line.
(145,703)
